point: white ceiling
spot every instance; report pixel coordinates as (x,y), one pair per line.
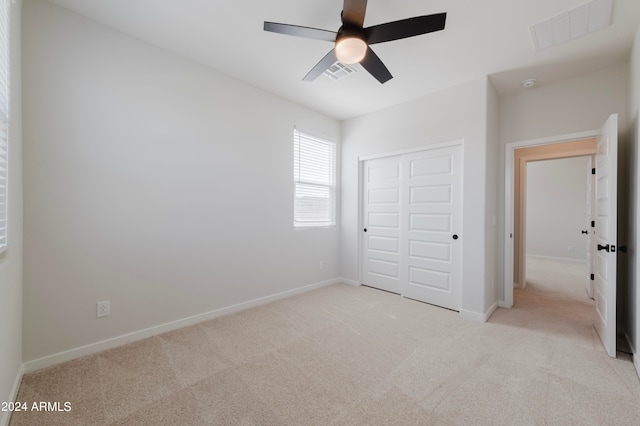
(489,37)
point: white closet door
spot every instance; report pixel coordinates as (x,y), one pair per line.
(433,212)
(412,225)
(382,224)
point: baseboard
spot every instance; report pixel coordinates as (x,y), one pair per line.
(490,311)
(113,342)
(6,415)
(350,282)
(503,304)
(630,343)
(634,354)
(477,316)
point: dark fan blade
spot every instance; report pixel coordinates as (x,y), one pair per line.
(376,68)
(322,66)
(298,31)
(353,12)
(405,28)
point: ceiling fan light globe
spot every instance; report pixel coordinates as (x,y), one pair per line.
(350,50)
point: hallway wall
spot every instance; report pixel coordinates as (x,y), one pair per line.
(557,208)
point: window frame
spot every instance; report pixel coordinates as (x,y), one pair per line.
(330,221)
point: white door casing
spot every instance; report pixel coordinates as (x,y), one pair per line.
(606,234)
(412,209)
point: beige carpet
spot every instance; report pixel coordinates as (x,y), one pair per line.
(354,355)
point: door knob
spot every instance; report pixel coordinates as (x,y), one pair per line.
(603,247)
(584,232)
(622,249)
(365,229)
(455,236)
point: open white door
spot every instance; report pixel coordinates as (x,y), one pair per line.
(591,213)
(606,233)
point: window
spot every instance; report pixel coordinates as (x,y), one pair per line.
(314,173)
(4,118)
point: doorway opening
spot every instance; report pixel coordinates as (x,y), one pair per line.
(521,158)
(552,207)
(557,225)
(604,236)
(557,240)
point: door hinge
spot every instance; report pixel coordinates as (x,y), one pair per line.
(593,223)
(593,277)
(593,171)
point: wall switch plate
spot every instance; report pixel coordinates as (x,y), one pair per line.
(103,309)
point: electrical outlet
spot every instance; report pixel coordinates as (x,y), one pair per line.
(103,309)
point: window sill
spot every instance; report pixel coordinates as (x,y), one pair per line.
(315,227)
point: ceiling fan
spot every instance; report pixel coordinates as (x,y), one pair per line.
(352,41)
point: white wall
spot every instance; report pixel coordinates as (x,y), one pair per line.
(11,259)
(632,295)
(493,231)
(557,208)
(578,104)
(452,114)
(573,105)
(152,182)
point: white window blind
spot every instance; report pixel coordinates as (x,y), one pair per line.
(4,118)
(314,173)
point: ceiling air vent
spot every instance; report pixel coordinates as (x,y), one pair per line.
(338,71)
(578,22)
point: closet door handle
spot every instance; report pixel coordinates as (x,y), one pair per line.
(455,236)
(603,247)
